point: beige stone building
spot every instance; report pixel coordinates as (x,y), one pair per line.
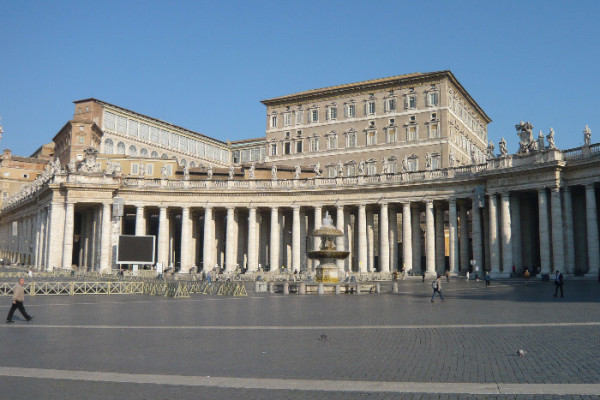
(435,201)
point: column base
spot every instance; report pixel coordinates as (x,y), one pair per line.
(430,274)
(498,275)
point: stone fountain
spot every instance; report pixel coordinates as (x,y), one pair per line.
(327,271)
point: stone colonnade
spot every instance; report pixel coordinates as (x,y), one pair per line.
(498,230)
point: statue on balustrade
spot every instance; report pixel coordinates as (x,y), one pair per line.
(550,139)
(451,159)
(502,147)
(541,145)
(587,136)
(90,163)
(490,151)
(340,169)
(404,165)
(251,172)
(428,161)
(384,166)
(361,167)
(274,172)
(231,171)
(209,172)
(527,143)
(318,169)
(297,172)
(186,172)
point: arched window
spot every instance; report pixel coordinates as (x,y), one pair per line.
(121,148)
(144,152)
(192,164)
(132,151)
(154,154)
(164,156)
(108,146)
(183,162)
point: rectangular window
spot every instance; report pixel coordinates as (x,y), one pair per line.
(370,107)
(433,99)
(287,148)
(390,105)
(150,169)
(411,102)
(371,169)
(435,162)
(351,170)
(273,149)
(298,117)
(273,121)
(351,111)
(314,115)
(412,133)
(287,119)
(391,135)
(314,144)
(299,146)
(331,172)
(433,131)
(351,139)
(135,169)
(371,138)
(236,157)
(413,165)
(332,113)
(332,142)
(391,167)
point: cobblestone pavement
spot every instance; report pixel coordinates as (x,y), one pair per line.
(371,342)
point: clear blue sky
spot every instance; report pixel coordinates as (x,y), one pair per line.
(206,65)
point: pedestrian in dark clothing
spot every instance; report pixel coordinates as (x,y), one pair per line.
(17,302)
(423,274)
(437,288)
(558,283)
(487,278)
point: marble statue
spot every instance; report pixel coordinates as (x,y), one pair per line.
(340,169)
(163,172)
(490,151)
(428,161)
(384,165)
(274,172)
(110,168)
(451,159)
(231,171)
(502,147)
(550,139)
(473,155)
(90,163)
(541,145)
(209,172)
(361,167)
(251,172)
(587,136)
(404,165)
(318,169)
(297,172)
(527,143)
(186,172)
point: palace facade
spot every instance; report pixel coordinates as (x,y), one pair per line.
(402,165)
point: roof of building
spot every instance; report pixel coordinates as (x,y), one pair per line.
(374,83)
(150,118)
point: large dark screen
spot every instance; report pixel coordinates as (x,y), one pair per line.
(135,250)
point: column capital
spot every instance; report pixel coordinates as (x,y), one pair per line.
(296,207)
(505,195)
(590,186)
(555,189)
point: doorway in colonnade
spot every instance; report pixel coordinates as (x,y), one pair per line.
(530,236)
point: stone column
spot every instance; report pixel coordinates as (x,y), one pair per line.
(384,239)
(252,241)
(163,237)
(316,239)
(370,241)
(464,236)
(558,255)
(42,238)
(544,231)
(348,240)
(140,221)
(416,238)
(429,240)
(230,256)
(440,239)
(494,243)
(515,206)
(296,238)
(568,232)
(476,234)
(68,238)
(393,227)
(592,230)
(362,238)
(339,241)
(453,236)
(209,237)
(507,251)
(105,240)
(55,234)
(406,238)
(186,236)
(37,236)
(274,244)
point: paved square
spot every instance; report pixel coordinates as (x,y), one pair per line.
(387,346)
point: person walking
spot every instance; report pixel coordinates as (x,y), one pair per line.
(437,288)
(467,275)
(477,273)
(487,278)
(17,302)
(558,283)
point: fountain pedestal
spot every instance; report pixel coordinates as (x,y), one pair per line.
(327,271)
